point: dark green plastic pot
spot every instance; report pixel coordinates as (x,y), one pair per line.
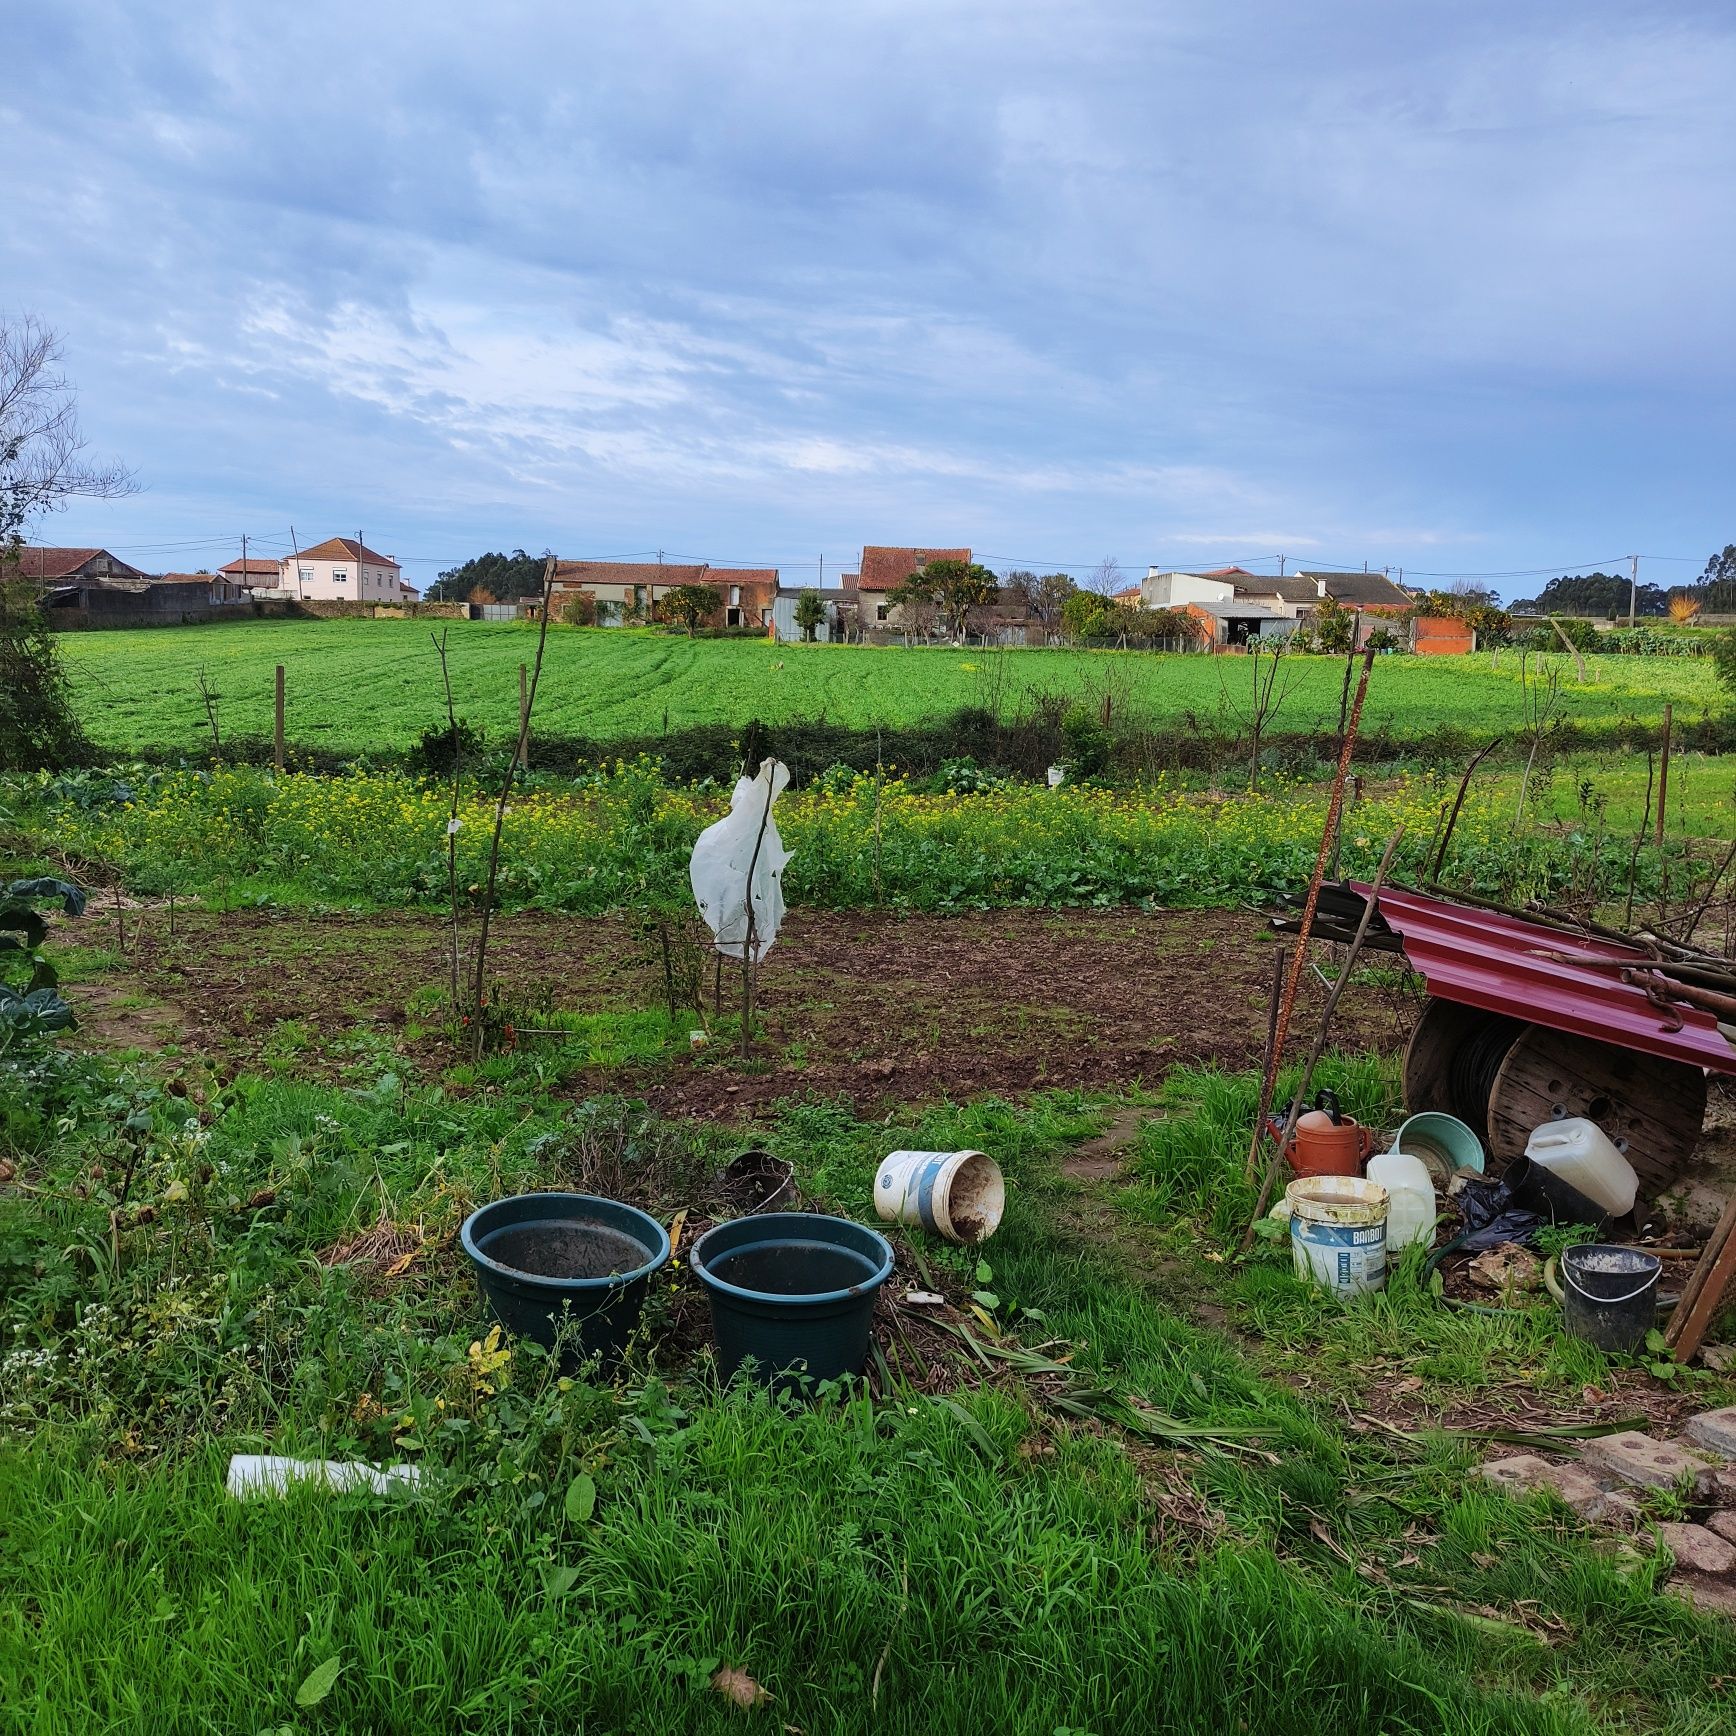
(792,1294)
(567,1268)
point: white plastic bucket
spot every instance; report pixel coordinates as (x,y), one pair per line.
(956,1194)
(1338,1232)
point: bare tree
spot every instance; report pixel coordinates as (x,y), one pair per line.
(1265,700)
(42,467)
(1105,578)
(42,449)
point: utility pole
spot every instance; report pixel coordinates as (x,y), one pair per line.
(244,560)
(295,555)
(1633,588)
(1280,566)
(360,545)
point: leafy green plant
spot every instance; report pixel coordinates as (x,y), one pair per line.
(35,1008)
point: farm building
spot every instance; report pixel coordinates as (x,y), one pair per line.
(73,566)
(256,574)
(627,592)
(174,600)
(883,569)
(784,613)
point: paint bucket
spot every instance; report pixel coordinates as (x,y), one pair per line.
(1609,1294)
(1338,1232)
(956,1194)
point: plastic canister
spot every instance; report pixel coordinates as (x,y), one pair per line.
(1338,1232)
(1411,1210)
(1585,1157)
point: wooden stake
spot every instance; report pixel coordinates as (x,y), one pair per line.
(1325,1031)
(277,740)
(1305,928)
(523,717)
(1663,778)
(1704,1294)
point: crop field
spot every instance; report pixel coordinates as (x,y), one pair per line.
(1115,1469)
(361,686)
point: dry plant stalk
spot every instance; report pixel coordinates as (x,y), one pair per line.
(512,769)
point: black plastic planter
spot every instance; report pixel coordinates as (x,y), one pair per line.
(566,1266)
(792,1293)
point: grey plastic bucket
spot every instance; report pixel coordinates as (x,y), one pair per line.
(1609,1294)
(792,1294)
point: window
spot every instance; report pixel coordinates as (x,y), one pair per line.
(881,612)
(305,575)
(340,575)
(735,594)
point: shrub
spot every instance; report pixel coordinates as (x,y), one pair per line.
(445,742)
(1724,659)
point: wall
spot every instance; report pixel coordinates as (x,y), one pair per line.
(1441,636)
(1176,590)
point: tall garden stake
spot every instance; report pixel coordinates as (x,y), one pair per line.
(1458,803)
(749,964)
(512,766)
(451,816)
(1299,958)
(1325,1031)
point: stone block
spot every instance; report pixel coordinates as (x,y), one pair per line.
(1715,1430)
(1723,1524)
(1698,1550)
(1640,1461)
(1525,1473)
(1705,1592)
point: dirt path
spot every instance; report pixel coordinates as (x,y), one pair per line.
(879,1007)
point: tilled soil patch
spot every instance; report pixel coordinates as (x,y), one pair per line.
(878,1007)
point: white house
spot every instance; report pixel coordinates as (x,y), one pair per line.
(341,569)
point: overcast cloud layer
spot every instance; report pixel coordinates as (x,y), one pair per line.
(1440,286)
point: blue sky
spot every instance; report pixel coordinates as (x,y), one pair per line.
(1435,286)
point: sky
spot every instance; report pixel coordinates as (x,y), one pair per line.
(1441,286)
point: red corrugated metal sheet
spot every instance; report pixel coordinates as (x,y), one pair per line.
(1501,964)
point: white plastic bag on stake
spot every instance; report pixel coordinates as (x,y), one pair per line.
(745,841)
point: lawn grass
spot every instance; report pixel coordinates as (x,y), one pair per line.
(370,686)
(878,1563)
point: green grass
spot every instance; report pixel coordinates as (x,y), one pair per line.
(360,686)
(1009,1569)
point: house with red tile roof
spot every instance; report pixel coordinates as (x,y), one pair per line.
(64,566)
(885,569)
(255,574)
(340,569)
(628,592)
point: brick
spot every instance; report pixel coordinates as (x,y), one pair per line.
(1715,1430)
(1518,1475)
(1525,1473)
(1697,1550)
(1723,1524)
(1718,1487)
(1705,1592)
(1639,1460)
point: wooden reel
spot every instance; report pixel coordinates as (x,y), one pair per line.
(1503,1077)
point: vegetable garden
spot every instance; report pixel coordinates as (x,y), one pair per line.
(1121,1473)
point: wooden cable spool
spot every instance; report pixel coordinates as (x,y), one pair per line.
(1650,1107)
(1503,1077)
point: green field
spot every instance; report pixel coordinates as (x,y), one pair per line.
(359,685)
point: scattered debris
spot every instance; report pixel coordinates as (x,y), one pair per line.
(738,1687)
(1508,1270)
(270,1474)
